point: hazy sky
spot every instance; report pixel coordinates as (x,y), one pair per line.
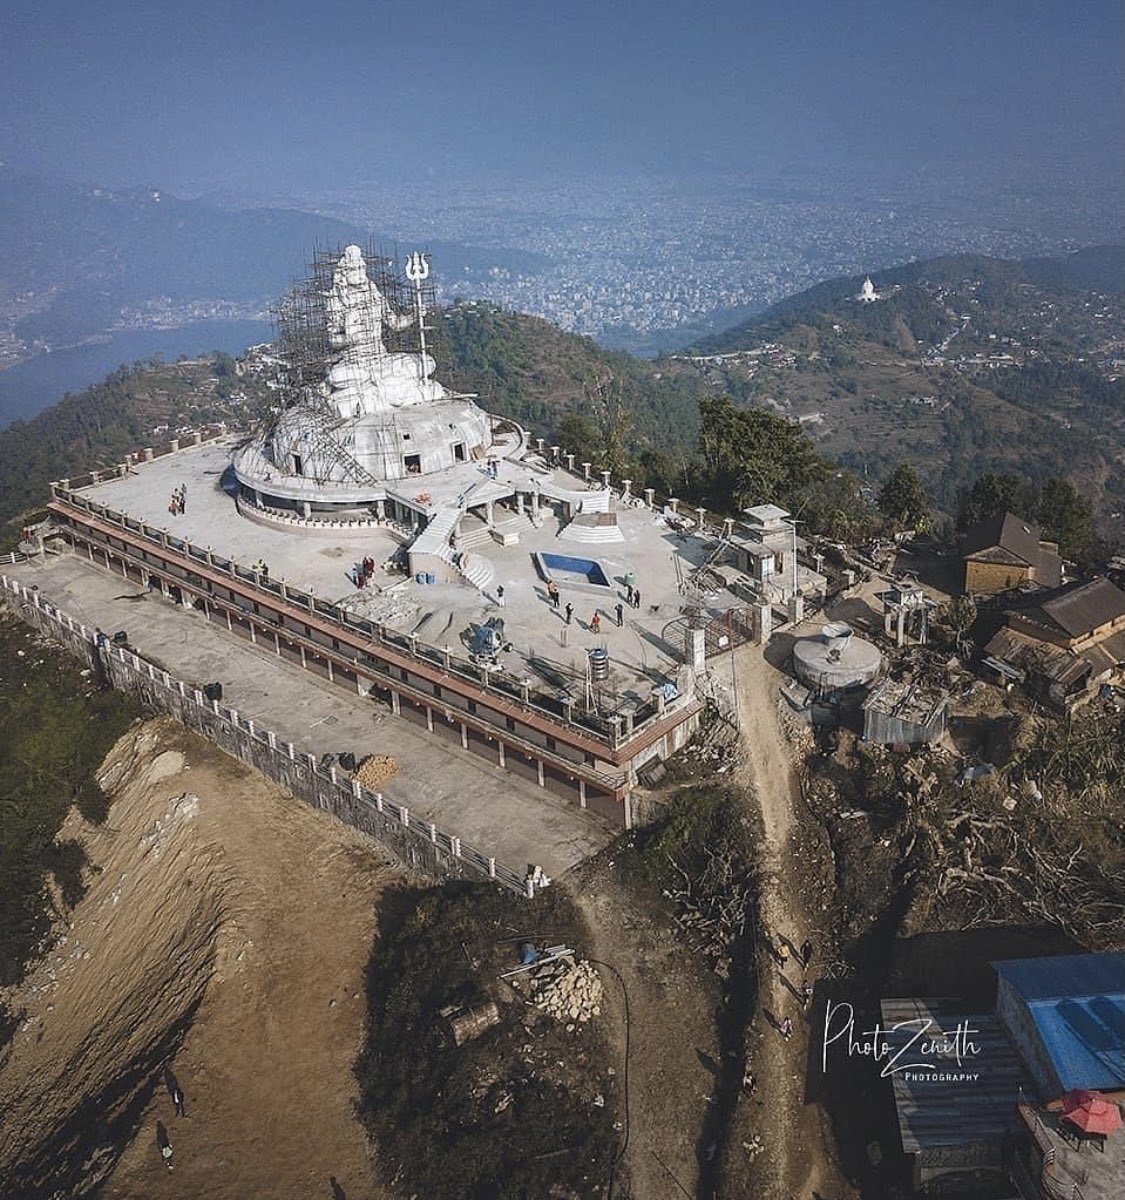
(320,93)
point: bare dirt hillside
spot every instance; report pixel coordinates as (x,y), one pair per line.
(225,934)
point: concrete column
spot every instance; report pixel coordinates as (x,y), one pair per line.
(696,650)
(306,509)
(569,462)
(535,505)
(540,773)
(500,752)
(586,470)
(230,626)
(674,505)
(540,443)
(147,454)
(525,691)
(796,608)
(701,512)
(555,452)
(489,512)
(464,737)
(277,645)
(626,484)
(429,718)
(520,503)
(446,657)
(253,635)
(396,704)
(582,793)
(728,528)
(304,658)
(331,676)
(764,622)
(605,478)
(197,438)
(175,444)
(381,509)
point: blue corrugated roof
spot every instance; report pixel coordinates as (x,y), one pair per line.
(1078,1004)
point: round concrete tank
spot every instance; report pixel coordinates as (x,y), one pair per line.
(835,659)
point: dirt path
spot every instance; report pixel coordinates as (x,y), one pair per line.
(226,933)
(673,1059)
(797,1157)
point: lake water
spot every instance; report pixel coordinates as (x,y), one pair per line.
(29,387)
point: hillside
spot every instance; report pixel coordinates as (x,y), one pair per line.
(964,365)
(136,406)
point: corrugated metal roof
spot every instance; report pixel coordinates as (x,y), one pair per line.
(935,1110)
(1077,1002)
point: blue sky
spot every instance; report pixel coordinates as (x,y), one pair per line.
(199,94)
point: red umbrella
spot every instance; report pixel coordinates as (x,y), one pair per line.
(1091,1112)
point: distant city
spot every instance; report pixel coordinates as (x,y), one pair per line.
(646,264)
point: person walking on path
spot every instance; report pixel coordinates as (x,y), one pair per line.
(620,610)
(806,994)
(783,952)
(500,595)
(569,612)
(636,597)
(553,593)
(630,585)
(786,1028)
(806,952)
(596,622)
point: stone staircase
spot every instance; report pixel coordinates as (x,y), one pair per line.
(476,570)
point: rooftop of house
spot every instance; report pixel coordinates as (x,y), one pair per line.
(1077,1002)
(951,1101)
(1079,608)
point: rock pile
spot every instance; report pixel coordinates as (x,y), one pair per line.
(573,994)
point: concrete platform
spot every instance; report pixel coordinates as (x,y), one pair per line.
(440,613)
(498,813)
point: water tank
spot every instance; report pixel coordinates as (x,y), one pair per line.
(835,659)
(599,664)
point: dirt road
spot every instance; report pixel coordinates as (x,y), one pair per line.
(225,933)
(797,1157)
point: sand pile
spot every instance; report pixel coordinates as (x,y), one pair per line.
(374,771)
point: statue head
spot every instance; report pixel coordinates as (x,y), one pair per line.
(353,266)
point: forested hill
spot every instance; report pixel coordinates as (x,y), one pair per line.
(528,369)
(1004,283)
(962,366)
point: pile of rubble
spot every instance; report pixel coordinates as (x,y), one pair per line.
(571,994)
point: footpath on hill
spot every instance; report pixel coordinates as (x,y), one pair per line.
(797,1158)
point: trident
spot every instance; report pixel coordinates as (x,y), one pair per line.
(418,270)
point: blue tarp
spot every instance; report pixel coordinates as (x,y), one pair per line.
(1078,1005)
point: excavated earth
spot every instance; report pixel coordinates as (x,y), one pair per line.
(224,935)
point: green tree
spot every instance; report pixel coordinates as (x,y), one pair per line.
(1067,517)
(751,456)
(903,499)
(993,495)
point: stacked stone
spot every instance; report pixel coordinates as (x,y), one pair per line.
(573,995)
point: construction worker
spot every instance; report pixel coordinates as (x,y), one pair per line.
(596,622)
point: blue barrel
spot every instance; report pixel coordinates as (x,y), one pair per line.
(431,577)
(420,577)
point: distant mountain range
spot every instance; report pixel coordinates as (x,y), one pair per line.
(73,257)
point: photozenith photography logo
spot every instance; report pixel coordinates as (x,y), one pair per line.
(918,1049)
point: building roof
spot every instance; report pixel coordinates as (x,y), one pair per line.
(935,1108)
(911,702)
(1011,533)
(765,514)
(1077,1002)
(1081,608)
